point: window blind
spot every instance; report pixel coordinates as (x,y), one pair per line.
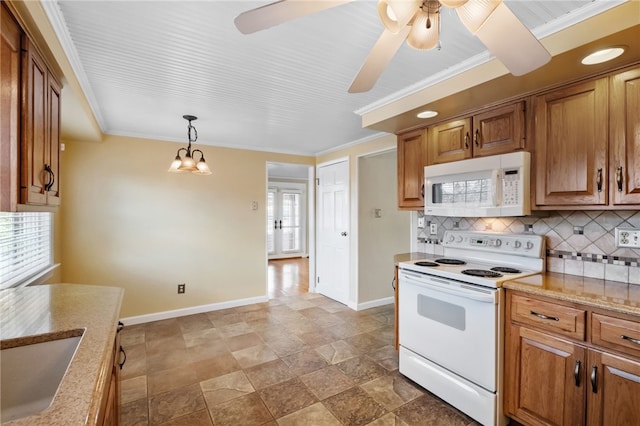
(25,246)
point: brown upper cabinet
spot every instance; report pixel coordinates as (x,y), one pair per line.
(587,144)
(40,147)
(412,157)
(9,109)
(490,132)
(571,145)
(624,122)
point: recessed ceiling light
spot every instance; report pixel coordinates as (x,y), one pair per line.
(603,55)
(427,114)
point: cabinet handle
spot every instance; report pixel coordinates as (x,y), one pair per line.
(630,339)
(344,233)
(576,373)
(280,224)
(393,283)
(120,326)
(476,137)
(466,141)
(422,191)
(125,357)
(594,379)
(545,317)
(275,224)
(599,180)
(619,178)
(52,178)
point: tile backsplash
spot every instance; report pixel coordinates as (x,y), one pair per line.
(578,242)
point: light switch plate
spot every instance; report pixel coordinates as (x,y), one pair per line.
(628,237)
(421,222)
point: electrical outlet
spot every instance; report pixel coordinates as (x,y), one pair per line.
(181,288)
(628,237)
(433,228)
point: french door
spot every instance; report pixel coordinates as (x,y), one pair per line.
(286,219)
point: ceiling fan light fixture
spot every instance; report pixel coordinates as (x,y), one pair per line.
(396,14)
(425,31)
(453,3)
(603,55)
(427,114)
(474,14)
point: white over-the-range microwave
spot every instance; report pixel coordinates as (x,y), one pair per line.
(491,186)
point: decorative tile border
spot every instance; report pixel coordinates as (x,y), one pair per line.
(596,258)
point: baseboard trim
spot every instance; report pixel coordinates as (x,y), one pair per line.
(374,303)
(157,316)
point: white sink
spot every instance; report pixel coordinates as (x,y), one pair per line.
(31,375)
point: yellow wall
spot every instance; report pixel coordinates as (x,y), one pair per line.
(126,222)
(379,238)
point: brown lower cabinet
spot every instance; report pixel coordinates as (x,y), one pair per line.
(110,406)
(553,377)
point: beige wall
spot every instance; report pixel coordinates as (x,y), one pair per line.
(126,222)
(379,238)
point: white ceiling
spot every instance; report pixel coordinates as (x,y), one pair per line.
(144,64)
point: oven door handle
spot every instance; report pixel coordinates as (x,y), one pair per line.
(468,291)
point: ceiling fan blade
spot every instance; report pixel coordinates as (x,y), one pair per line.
(279,12)
(511,42)
(381,54)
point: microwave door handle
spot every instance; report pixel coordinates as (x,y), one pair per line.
(497,187)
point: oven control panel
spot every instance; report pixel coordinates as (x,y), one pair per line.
(521,244)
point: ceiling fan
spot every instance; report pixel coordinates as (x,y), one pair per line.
(418,22)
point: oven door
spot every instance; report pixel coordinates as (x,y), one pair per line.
(452,324)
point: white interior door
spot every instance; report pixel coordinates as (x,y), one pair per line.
(286,219)
(333,231)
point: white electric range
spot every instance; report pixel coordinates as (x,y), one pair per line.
(450,317)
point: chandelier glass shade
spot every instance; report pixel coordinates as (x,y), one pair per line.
(187,163)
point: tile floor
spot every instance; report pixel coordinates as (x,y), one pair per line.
(295,360)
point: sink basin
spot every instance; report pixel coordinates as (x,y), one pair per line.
(31,375)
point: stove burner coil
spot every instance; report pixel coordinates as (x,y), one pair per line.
(426,263)
(451,261)
(506,270)
(481,273)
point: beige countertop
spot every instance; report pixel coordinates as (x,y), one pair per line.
(39,313)
(404,257)
(611,295)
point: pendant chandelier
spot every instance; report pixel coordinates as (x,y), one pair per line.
(188,163)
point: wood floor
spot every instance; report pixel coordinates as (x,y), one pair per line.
(288,277)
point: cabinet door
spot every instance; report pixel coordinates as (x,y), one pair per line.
(450,141)
(53,140)
(499,130)
(34,135)
(412,157)
(625,137)
(571,145)
(9,109)
(614,390)
(545,378)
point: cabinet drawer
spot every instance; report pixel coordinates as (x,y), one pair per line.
(616,333)
(549,316)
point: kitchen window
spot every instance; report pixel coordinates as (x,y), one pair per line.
(26,249)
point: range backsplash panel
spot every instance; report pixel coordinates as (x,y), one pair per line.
(578,242)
